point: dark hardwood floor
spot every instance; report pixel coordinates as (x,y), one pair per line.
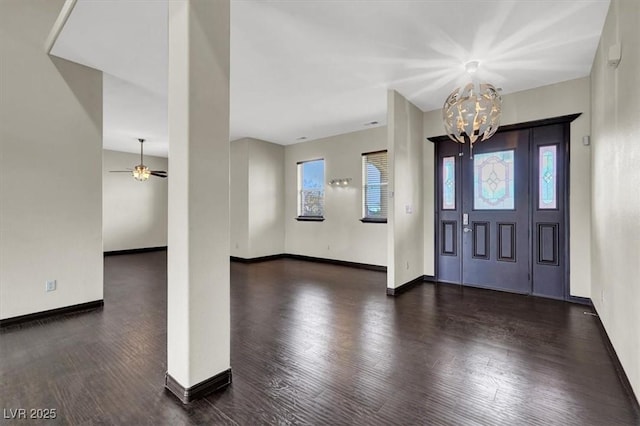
(321,344)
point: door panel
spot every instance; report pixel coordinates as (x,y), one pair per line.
(547,243)
(548,177)
(449,238)
(507,242)
(481,233)
(449,207)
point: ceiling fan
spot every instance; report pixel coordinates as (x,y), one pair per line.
(142,172)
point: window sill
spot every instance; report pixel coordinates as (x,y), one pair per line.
(372,220)
(310,219)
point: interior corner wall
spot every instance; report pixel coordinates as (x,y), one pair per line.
(406,207)
(341,236)
(257,198)
(134,214)
(239,199)
(615,143)
(266,198)
(50,168)
(569,97)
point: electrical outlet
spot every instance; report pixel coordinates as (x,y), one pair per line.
(50,285)
(407,265)
(329,247)
(237,245)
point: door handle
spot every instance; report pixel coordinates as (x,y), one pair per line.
(465,229)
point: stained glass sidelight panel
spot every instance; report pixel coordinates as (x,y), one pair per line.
(493,181)
(547,177)
(449,183)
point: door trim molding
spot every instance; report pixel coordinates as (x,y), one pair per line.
(524,125)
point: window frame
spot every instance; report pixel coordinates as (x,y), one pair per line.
(365,218)
(299,176)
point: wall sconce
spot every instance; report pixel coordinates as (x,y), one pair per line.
(340,182)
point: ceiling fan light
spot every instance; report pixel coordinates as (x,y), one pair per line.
(141,173)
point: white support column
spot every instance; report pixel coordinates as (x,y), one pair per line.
(198,329)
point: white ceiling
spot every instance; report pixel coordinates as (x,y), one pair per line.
(315,68)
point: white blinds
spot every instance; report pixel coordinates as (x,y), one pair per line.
(375,177)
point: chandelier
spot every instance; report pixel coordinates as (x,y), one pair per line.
(472,113)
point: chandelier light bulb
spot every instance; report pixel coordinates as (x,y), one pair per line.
(141,172)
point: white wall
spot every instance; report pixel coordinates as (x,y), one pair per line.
(616,179)
(544,102)
(134,214)
(257,198)
(239,198)
(50,168)
(341,236)
(266,198)
(406,218)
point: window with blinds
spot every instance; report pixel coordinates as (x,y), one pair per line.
(311,189)
(375,177)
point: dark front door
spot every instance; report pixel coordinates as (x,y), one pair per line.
(501,212)
(495,213)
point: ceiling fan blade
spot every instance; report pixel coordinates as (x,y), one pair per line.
(120,171)
(158,171)
(158,174)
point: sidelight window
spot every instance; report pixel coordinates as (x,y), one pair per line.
(449,183)
(547,177)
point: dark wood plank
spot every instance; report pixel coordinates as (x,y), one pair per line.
(321,344)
